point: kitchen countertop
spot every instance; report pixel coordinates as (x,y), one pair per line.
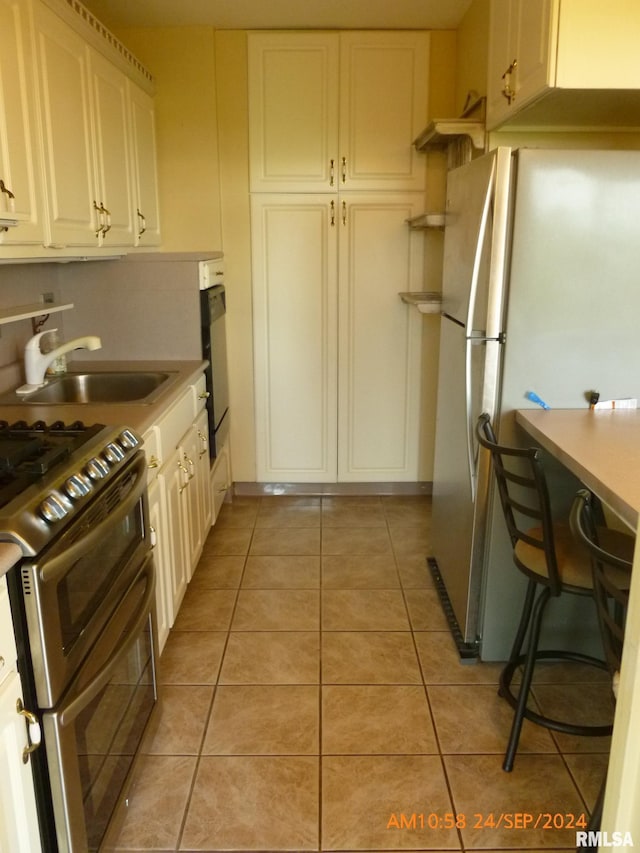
(138,416)
(601,447)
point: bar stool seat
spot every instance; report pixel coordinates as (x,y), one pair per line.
(548,555)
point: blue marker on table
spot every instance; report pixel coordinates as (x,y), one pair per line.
(531,395)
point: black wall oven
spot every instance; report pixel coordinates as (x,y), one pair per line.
(213,307)
(83,608)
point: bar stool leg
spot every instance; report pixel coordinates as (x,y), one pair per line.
(527,676)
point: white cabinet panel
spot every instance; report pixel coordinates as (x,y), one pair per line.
(383,107)
(331,111)
(329,269)
(145,168)
(380,339)
(66,126)
(293,109)
(113,189)
(21,187)
(295,322)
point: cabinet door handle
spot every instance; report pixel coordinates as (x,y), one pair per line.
(507,90)
(100,224)
(203,395)
(204,443)
(344,212)
(143,222)
(5,189)
(153,536)
(107,226)
(332,173)
(333,214)
(34,732)
(153,463)
(344,170)
(192,467)
(186,473)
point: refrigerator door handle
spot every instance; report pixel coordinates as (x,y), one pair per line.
(471,450)
(477,258)
(475,274)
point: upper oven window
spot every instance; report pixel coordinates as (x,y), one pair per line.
(87,582)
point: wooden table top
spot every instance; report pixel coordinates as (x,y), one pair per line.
(601,447)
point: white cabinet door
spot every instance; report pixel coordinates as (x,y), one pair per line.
(331,111)
(220,479)
(523,35)
(190,499)
(62,60)
(380,338)
(294,248)
(326,413)
(293,111)
(114,189)
(20,182)
(176,481)
(145,170)
(203,471)
(18,818)
(383,107)
(162,555)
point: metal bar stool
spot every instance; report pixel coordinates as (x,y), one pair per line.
(611,581)
(546,553)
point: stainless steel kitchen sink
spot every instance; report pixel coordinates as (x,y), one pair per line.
(113,387)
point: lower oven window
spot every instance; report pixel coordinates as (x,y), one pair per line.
(108,733)
(92,736)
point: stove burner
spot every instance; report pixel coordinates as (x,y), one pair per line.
(28,452)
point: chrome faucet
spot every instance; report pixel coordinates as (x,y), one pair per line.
(36,362)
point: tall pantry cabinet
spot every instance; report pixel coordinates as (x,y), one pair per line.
(334,176)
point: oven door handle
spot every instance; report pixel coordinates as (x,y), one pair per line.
(56,566)
(77,700)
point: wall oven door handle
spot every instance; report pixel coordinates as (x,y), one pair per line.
(81,692)
(57,565)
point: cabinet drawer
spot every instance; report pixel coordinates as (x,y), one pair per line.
(7,643)
(173,425)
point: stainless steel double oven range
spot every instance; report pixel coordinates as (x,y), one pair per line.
(82,598)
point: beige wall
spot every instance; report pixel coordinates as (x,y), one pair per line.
(182,62)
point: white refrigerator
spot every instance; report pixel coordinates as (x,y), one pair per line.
(541,292)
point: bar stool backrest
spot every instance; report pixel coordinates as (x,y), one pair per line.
(524,496)
(611,599)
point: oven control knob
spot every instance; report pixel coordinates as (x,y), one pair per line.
(97,468)
(77,486)
(128,439)
(52,509)
(113,453)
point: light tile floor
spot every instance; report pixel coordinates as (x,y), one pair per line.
(314,700)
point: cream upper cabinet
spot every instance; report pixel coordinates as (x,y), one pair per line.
(111,143)
(20,180)
(77,137)
(293,111)
(337,353)
(62,59)
(571,64)
(333,111)
(383,107)
(145,170)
